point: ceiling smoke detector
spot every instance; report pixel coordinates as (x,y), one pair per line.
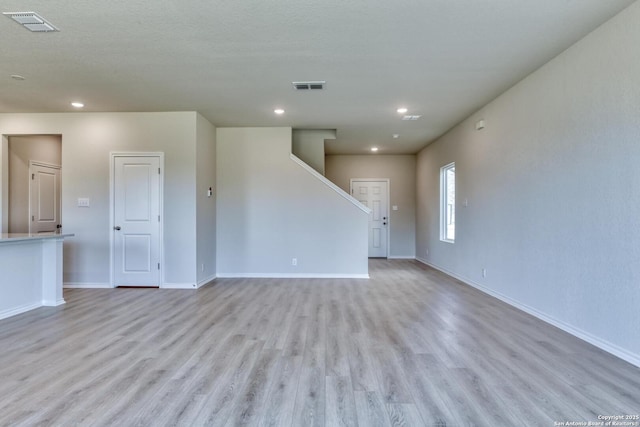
(316,85)
(32,21)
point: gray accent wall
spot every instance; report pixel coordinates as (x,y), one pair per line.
(401,172)
(271,210)
(553,191)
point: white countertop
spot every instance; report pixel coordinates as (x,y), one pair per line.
(17,237)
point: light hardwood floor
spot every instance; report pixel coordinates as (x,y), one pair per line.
(411,346)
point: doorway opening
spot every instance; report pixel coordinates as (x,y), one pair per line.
(31,183)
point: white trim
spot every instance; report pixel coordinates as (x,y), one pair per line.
(402,257)
(43,164)
(443,202)
(178,286)
(605,345)
(86,285)
(292,276)
(330,184)
(18,310)
(388,181)
(4,184)
(56,303)
(112,156)
(206,281)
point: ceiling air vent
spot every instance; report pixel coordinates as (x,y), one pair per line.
(31,21)
(410,117)
(319,85)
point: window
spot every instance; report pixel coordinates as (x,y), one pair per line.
(448,203)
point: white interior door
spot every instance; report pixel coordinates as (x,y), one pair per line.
(374,195)
(44,198)
(136,215)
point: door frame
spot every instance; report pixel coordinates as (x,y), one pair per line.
(112,177)
(51,166)
(388,181)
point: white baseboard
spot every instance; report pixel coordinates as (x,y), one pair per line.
(292,276)
(86,285)
(18,310)
(178,286)
(401,257)
(81,285)
(605,345)
(206,281)
(53,303)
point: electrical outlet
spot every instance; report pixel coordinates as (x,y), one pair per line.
(202,268)
(484,272)
(294,261)
(426,252)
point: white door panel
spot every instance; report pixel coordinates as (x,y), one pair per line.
(44,195)
(374,195)
(137,253)
(136,216)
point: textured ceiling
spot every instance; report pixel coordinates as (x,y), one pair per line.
(234,61)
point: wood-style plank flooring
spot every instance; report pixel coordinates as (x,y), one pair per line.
(409,347)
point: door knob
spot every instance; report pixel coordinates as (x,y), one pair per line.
(117,228)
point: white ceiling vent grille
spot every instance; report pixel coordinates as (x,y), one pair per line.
(318,85)
(31,21)
(411,118)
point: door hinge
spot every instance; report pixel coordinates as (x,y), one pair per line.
(33,218)
(158,171)
(158,218)
(158,266)
(33,176)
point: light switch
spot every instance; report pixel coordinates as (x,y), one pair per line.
(83,202)
(394,207)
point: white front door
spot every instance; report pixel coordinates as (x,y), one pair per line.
(136,216)
(374,195)
(44,198)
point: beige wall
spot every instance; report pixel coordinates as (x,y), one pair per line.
(553,190)
(270,210)
(308,146)
(22,149)
(401,172)
(88,140)
(205,205)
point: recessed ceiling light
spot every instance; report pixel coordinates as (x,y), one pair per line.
(278,111)
(396,136)
(77,104)
(374,149)
(17,77)
(402,110)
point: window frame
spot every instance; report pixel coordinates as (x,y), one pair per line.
(445,213)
